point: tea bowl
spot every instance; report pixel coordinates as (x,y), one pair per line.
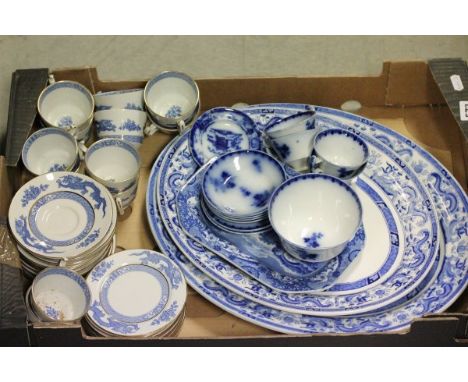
(128,99)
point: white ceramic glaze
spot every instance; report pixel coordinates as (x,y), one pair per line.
(129,99)
(49,150)
(171,97)
(292,138)
(315,214)
(240,183)
(122,124)
(59,294)
(339,153)
(68,105)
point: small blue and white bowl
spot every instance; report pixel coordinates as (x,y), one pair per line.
(49,150)
(127,125)
(128,99)
(239,184)
(222,130)
(339,153)
(315,216)
(60,294)
(68,105)
(171,98)
(292,138)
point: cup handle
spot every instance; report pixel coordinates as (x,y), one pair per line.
(51,79)
(120,207)
(181,126)
(151,128)
(314,163)
(82,149)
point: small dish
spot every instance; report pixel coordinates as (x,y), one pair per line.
(222,130)
(60,294)
(315,215)
(228,185)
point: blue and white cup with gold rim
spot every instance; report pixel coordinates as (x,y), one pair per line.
(67,105)
(172,99)
(50,149)
(339,153)
(315,216)
(124,124)
(291,138)
(127,99)
(115,164)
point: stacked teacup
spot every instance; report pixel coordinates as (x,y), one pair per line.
(120,114)
(236,188)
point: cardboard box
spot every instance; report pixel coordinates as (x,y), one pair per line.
(404,97)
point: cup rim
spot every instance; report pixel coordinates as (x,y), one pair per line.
(310,113)
(46,130)
(118,92)
(129,145)
(347,133)
(314,176)
(82,283)
(93,104)
(159,116)
(267,156)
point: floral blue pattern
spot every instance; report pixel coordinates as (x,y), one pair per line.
(167,315)
(32,193)
(130,125)
(58,167)
(91,238)
(105,125)
(65,121)
(101,269)
(313,240)
(133,106)
(51,312)
(174,111)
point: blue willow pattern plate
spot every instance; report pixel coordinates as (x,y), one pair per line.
(264,258)
(420,247)
(93,199)
(157,318)
(398,315)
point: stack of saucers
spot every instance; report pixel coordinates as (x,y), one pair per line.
(136,293)
(236,188)
(63,219)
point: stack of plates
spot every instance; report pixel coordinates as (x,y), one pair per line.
(63,219)
(136,293)
(411,261)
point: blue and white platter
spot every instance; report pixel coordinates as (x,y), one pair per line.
(154,278)
(430,296)
(402,192)
(62,215)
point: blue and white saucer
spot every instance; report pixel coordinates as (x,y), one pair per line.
(221,130)
(153,278)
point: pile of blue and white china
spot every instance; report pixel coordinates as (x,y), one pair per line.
(368,236)
(62,219)
(136,293)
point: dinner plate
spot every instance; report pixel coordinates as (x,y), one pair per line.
(61,214)
(399,315)
(153,277)
(401,187)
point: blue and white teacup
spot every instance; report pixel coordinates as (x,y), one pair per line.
(67,105)
(50,149)
(292,138)
(121,123)
(60,294)
(115,164)
(339,153)
(171,99)
(315,216)
(128,99)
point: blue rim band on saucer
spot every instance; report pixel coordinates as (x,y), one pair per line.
(221,140)
(158,276)
(66,195)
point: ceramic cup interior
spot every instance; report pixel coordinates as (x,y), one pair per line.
(315,211)
(296,123)
(60,294)
(48,150)
(113,160)
(172,95)
(241,182)
(341,148)
(66,103)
